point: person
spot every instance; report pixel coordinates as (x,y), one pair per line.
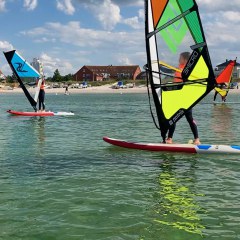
(66,90)
(221,86)
(41,96)
(183,59)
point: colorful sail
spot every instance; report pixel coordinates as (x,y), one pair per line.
(22,69)
(173,27)
(225,77)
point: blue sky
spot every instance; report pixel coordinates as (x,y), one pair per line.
(67,34)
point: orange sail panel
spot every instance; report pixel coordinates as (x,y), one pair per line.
(226,74)
(158,7)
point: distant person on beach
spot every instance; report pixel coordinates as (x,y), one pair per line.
(183,59)
(41,96)
(66,90)
(221,86)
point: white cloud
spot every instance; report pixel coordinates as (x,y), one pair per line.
(132,58)
(232,16)
(30,4)
(135,3)
(72,33)
(2,5)
(90,46)
(44,40)
(6,70)
(220,5)
(6,46)
(50,64)
(107,12)
(124,60)
(35,31)
(66,6)
(136,22)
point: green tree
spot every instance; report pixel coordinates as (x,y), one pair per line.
(11,79)
(57,76)
(68,77)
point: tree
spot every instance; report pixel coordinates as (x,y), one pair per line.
(11,79)
(68,77)
(57,76)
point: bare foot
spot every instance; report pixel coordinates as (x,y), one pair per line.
(196,141)
(169,141)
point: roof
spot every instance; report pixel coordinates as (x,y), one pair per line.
(113,70)
(226,63)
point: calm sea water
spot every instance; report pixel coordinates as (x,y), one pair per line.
(59,180)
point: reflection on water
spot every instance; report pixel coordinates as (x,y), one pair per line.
(37,129)
(177,206)
(222,121)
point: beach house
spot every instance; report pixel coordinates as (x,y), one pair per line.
(101,73)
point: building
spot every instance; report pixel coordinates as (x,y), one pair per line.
(37,64)
(220,67)
(142,76)
(101,73)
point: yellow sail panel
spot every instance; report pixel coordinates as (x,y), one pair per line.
(174,100)
(200,71)
(222,92)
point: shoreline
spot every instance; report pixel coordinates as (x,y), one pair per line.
(100,89)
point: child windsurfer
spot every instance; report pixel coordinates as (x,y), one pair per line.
(41,96)
(221,86)
(183,59)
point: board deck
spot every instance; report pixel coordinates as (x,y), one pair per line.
(179,148)
(40,114)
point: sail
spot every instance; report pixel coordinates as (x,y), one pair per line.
(225,77)
(171,28)
(38,87)
(22,69)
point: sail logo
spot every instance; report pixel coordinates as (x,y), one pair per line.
(190,63)
(174,34)
(20,67)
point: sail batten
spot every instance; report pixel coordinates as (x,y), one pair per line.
(172,28)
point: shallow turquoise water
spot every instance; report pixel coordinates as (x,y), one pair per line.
(59,180)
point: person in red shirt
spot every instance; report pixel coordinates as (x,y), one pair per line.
(41,97)
(183,59)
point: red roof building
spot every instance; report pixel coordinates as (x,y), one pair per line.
(101,73)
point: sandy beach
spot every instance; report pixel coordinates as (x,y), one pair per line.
(99,89)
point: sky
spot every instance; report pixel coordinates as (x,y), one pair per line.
(67,34)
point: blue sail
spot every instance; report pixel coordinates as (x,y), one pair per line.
(23,68)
